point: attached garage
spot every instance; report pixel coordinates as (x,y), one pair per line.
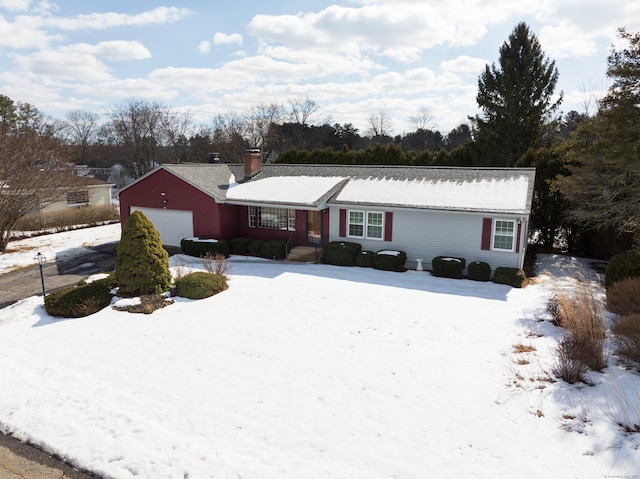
(173,225)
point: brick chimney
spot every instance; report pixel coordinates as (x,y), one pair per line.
(252,162)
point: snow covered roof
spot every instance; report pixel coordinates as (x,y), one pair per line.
(501,190)
(312,191)
(505,195)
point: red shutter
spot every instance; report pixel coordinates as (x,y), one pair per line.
(487,224)
(342,231)
(518,237)
(388,226)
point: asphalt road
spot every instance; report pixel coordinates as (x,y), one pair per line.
(17,459)
(57,275)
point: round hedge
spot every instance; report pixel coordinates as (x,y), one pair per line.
(79,301)
(479,271)
(200,285)
(622,266)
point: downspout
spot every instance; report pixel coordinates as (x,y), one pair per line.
(524,240)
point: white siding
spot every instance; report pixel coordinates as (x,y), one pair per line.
(173,225)
(427,234)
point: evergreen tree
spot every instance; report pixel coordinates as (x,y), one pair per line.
(515,98)
(142,264)
(604,185)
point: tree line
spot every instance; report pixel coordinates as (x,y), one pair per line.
(587,164)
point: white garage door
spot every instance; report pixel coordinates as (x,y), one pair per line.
(173,225)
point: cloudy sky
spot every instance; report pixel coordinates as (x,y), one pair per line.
(352,57)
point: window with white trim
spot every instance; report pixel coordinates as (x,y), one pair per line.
(365,224)
(504,232)
(78,198)
(272,218)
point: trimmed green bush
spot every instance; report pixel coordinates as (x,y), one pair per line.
(479,271)
(273,249)
(79,301)
(341,253)
(448,266)
(255,247)
(512,276)
(239,245)
(200,285)
(199,247)
(622,266)
(365,259)
(390,260)
(142,264)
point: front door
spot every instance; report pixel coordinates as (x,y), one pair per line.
(314,227)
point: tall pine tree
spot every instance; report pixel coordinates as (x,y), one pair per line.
(604,188)
(142,264)
(516,99)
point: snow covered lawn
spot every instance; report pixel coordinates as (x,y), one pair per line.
(315,371)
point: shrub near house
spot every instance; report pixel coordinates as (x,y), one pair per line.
(142,264)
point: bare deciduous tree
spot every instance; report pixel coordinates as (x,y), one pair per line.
(260,119)
(33,169)
(422,118)
(380,124)
(137,130)
(175,128)
(229,133)
(83,129)
(302,110)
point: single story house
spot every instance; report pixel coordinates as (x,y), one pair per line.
(480,214)
(85,192)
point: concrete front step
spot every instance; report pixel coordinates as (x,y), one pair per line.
(303,254)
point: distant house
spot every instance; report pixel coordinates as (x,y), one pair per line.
(84,192)
(481,214)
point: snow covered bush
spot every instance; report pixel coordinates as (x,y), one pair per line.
(390,260)
(341,253)
(448,266)
(479,271)
(142,264)
(199,247)
(79,301)
(200,285)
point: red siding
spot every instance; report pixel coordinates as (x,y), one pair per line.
(343,223)
(178,195)
(325,225)
(487,225)
(388,226)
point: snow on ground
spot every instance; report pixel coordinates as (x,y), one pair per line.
(57,246)
(316,371)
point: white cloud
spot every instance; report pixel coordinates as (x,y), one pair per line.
(398,30)
(15,5)
(204,47)
(98,21)
(464,64)
(224,39)
(566,41)
(118,50)
(55,67)
(24,32)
